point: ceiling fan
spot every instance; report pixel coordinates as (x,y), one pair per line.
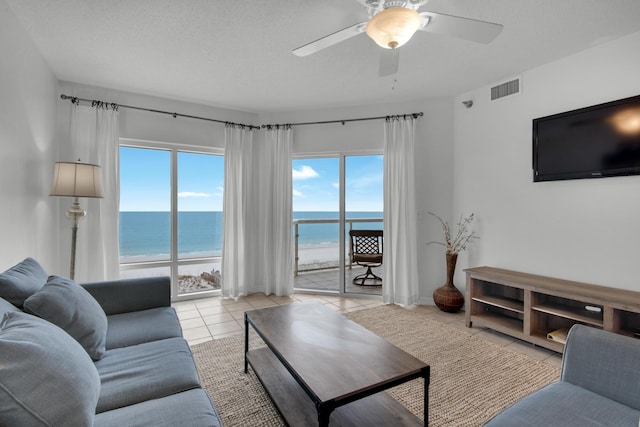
(392,23)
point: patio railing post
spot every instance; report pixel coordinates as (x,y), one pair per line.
(295,268)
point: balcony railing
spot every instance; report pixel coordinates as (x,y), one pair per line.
(150,267)
(296,233)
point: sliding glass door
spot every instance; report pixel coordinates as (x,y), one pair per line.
(364,204)
(171,216)
(200,183)
(332,195)
(316,227)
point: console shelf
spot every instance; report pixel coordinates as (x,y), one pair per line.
(566,313)
(505,303)
(529,306)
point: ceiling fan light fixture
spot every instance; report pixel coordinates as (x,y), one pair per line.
(393,27)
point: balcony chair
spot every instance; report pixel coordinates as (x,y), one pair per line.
(366,250)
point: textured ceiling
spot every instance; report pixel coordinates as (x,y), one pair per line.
(237,53)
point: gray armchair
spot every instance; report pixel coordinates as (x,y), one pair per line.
(599,386)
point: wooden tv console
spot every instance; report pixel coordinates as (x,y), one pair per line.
(528,306)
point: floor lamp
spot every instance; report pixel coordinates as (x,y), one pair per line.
(76,180)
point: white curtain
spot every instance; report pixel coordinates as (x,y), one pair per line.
(94,139)
(236,244)
(400,224)
(257,248)
(275,212)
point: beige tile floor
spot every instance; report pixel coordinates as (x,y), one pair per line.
(214,317)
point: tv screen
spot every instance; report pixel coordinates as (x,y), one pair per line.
(593,142)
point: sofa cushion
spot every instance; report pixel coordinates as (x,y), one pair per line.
(564,404)
(138,327)
(46,378)
(146,371)
(7,307)
(66,304)
(21,281)
(189,408)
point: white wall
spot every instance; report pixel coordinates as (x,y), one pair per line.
(434,163)
(584,230)
(27,146)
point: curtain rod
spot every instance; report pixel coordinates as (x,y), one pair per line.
(75,99)
(343,121)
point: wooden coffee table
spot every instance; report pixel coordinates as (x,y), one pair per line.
(319,365)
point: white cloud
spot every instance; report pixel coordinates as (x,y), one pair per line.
(297,193)
(193,194)
(335,185)
(305,172)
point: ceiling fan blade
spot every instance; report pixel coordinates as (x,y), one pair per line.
(462,28)
(330,40)
(389,59)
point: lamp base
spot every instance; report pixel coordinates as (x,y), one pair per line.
(74,214)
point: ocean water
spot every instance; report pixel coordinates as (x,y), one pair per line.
(147,235)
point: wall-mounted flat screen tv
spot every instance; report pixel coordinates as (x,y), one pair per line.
(593,142)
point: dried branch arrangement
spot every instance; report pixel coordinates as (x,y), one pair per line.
(462,238)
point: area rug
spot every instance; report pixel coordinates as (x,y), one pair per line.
(471,378)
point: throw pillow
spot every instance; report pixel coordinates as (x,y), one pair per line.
(21,281)
(68,305)
(46,378)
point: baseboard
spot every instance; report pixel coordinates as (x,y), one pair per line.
(426,301)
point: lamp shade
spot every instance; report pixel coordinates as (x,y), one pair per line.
(77,180)
(393,27)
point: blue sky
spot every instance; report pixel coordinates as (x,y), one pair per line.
(145,182)
(316,184)
(145,179)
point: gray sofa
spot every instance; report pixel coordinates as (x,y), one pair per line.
(599,386)
(103,354)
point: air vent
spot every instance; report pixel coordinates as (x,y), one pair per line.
(505,89)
